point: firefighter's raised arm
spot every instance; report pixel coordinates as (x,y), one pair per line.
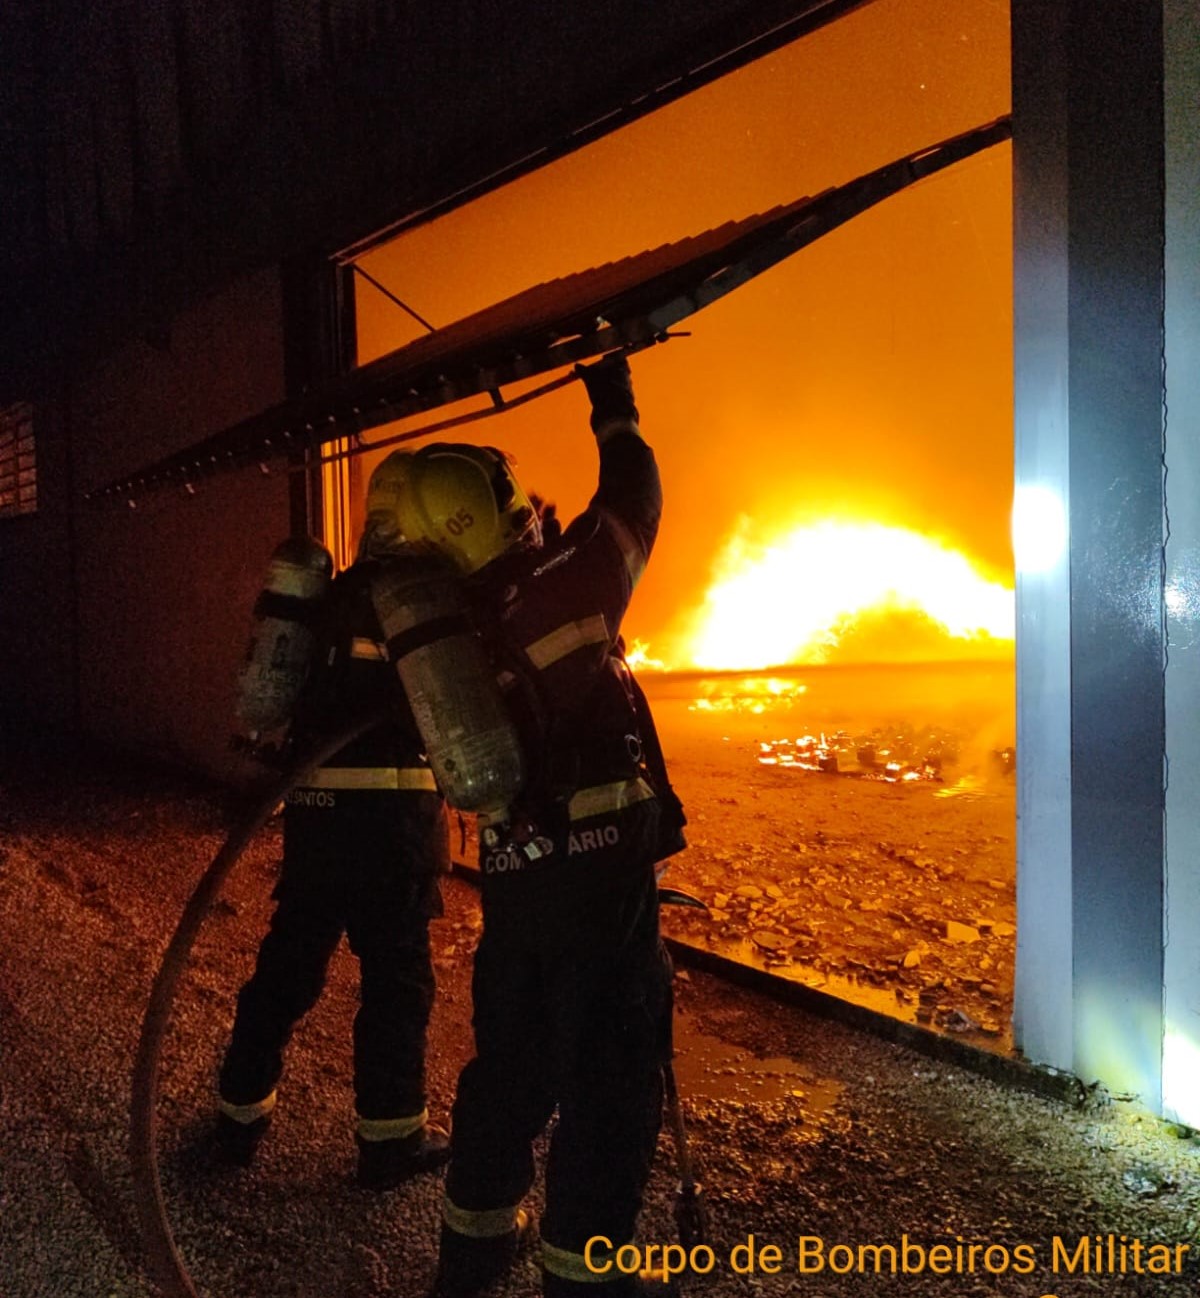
(629,494)
(609,385)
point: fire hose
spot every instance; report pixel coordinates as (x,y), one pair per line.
(163,1262)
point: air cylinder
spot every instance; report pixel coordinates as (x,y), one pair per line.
(281,642)
(470,739)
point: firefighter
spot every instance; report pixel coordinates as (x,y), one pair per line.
(572,990)
(364,841)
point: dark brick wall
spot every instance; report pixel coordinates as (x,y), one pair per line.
(139,643)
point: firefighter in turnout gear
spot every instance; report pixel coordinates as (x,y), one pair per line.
(364,841)
(572,985)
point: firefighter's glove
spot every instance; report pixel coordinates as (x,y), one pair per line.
(547,512)
(610,387)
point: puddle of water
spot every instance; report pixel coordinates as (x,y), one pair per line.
(883,1000)
(843,986)
(709,1068)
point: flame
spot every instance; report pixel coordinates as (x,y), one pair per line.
(753,694)
(638,657)
(839,589)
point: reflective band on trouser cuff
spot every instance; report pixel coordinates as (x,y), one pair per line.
(486,1224)
(566,639)
(600,798)
(247,1113)
(371,777)
(628,544)
(361,647)
(574,1266)
(391,1128)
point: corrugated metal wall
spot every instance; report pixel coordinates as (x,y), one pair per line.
(154,148)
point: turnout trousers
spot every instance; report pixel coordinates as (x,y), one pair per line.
(572,1009)
(367,866)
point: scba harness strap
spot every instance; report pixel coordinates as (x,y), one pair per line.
(640,752)
(672,818)
(585,804)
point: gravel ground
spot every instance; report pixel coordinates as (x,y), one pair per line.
(810,1136)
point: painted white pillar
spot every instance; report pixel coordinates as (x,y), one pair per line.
(1181,971)
(1042,1021)
(1089,159)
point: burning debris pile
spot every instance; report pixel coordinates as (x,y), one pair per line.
(878,755)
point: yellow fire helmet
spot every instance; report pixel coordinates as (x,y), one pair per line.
(460,500)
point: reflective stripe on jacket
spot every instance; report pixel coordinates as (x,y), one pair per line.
(371,777)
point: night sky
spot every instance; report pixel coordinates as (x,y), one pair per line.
(868,378)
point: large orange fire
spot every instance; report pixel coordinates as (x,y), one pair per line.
(841,591)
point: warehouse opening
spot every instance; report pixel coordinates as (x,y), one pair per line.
(826,625)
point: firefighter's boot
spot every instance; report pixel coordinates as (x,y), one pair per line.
(468,1265)
(240,1129)
(385,1164)
(237,1142)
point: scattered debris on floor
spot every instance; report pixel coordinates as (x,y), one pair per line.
(872,884)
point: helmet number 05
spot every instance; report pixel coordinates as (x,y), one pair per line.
(459,521)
